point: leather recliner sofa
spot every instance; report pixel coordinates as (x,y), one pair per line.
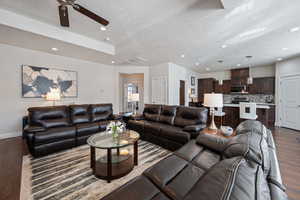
(211,167)
(54,128)
(169,126)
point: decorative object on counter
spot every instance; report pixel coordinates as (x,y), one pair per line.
(226,130)
(218,132)
(248,110)
(193,81)
(53,95)
(115,128)
(213,101)
(220,82)
(37,81)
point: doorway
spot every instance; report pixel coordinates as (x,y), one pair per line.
(132,92)
(290,102)
(182,93)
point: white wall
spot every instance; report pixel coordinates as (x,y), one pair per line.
(96,84)
(284,68)
(174,74)
(132,70)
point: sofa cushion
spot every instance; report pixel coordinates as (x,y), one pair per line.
(79,114)
(101,112)
(165,170)
(152,128)
(55,134)
(186,116)
(137,125)
(174,133)
(168,114)
(152,112)
(87,129)
(48,117)
(137,189)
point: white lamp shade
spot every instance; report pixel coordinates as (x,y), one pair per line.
(53,95)
(213,100)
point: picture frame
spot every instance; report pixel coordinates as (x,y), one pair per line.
(37,81)
(193,81)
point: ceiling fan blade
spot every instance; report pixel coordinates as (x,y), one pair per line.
(64,16)
(90,14)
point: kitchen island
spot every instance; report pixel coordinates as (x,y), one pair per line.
(264,111)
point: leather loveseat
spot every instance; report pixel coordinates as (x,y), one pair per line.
(169,126)
(211,167)
(55,128)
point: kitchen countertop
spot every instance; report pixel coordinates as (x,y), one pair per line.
(259,105)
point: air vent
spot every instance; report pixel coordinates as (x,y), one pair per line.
(134,61)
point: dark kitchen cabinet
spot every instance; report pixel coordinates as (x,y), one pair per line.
(265,85)
(225,88)
(239,76)
(205,86)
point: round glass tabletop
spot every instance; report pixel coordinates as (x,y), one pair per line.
(105,140)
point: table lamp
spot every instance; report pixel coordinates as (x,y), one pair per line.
(53,95)
(213,101)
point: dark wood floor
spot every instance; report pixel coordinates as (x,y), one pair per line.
(287,142)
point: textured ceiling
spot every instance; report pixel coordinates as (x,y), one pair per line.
(156,31)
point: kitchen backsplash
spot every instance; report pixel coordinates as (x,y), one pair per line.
(257,98)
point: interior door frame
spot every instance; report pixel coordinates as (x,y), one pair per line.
(182,94)
(279,95)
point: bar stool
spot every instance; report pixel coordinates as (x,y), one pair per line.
(248,111)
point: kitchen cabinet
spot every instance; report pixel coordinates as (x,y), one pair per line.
(265,85)
(205,86)
(225,88)
(239,76)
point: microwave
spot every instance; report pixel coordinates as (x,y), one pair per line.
(241,89)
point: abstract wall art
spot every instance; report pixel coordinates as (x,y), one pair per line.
(37,81)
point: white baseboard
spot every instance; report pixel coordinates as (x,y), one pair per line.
(10,135)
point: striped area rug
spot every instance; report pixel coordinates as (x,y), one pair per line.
(67,175)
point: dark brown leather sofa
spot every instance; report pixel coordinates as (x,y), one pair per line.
(55,128)
(210,167)
(169,126)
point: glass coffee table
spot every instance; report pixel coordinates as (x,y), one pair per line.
(112,165)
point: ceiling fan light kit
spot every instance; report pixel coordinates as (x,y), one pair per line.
(64,15)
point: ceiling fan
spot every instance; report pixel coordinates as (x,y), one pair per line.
(64,17)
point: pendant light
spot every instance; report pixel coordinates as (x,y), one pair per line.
(250,78)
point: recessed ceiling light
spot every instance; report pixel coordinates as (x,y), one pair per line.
(54,49)
(103,28)
(295,29)
(238,65)
(112,62)
(284,48)
(224,46)
(207,69)
(279,59)
(107,39)
(182,56)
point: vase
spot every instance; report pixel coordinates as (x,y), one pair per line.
(115,134)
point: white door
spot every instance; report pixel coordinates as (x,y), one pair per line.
(159,90)
(290,102)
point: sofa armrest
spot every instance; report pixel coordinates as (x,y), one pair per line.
(194,128)
(137,117)
(33,129)
(116,117)
(213,142)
